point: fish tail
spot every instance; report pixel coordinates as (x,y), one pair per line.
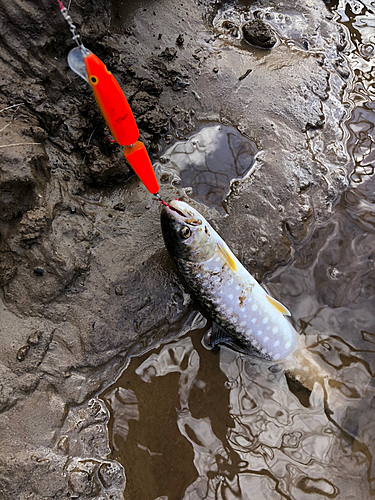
(302,366)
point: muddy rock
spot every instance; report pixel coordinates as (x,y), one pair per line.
(259,33)
(8,268)
(71,207)
(24,163)
(32,224)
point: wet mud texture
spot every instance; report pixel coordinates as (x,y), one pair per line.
(86,281)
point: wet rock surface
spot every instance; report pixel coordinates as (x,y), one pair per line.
(86,280)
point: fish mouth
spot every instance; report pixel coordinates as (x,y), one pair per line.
(174,207)
(182,212)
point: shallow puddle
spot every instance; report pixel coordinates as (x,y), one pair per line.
(189,423)
(208,162)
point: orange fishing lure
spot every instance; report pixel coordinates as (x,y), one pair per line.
(111,101)
(113,106)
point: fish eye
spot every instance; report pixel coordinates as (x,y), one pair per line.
(185,232)
(93,80)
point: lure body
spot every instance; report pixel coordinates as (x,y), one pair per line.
(113,106)
(116,112)
(111,101)
(138,158)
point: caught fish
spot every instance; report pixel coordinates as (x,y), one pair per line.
(232,297)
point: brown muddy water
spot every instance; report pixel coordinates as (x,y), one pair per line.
(189,423)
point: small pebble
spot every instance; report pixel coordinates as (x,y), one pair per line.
(120,207)
(33,338)
(180,40)
(109,474)
(22,352)
(38,271)
(118,290)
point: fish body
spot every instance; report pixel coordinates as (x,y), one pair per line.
(230,294)
(232,297)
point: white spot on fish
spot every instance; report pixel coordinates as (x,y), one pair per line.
(238,287)
(264,351)
(254,307)
(259,333)
(254,320)
(266,338)
(230,310)
(265,321)
(243,323)
(275,329)
(275,344)
(230,296)
(249,332)
(276,357)
(217,259)
(287,345)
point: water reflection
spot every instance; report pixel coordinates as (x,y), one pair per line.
(208,161)
(358,17)
(361,142)
(273,446)
(331,284)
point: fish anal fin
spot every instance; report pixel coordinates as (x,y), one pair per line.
(227,255)
(278,305)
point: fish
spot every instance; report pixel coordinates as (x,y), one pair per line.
(233,298)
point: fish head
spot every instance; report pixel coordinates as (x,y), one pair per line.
(187,234)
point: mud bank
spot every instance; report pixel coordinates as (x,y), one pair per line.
(86,280)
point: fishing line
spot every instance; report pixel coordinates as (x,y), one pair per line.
(72,26)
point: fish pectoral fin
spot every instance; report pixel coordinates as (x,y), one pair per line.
(218,335)
(227,255)
(278,305)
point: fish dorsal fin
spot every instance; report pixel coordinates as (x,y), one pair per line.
(228,256)
(278,305)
